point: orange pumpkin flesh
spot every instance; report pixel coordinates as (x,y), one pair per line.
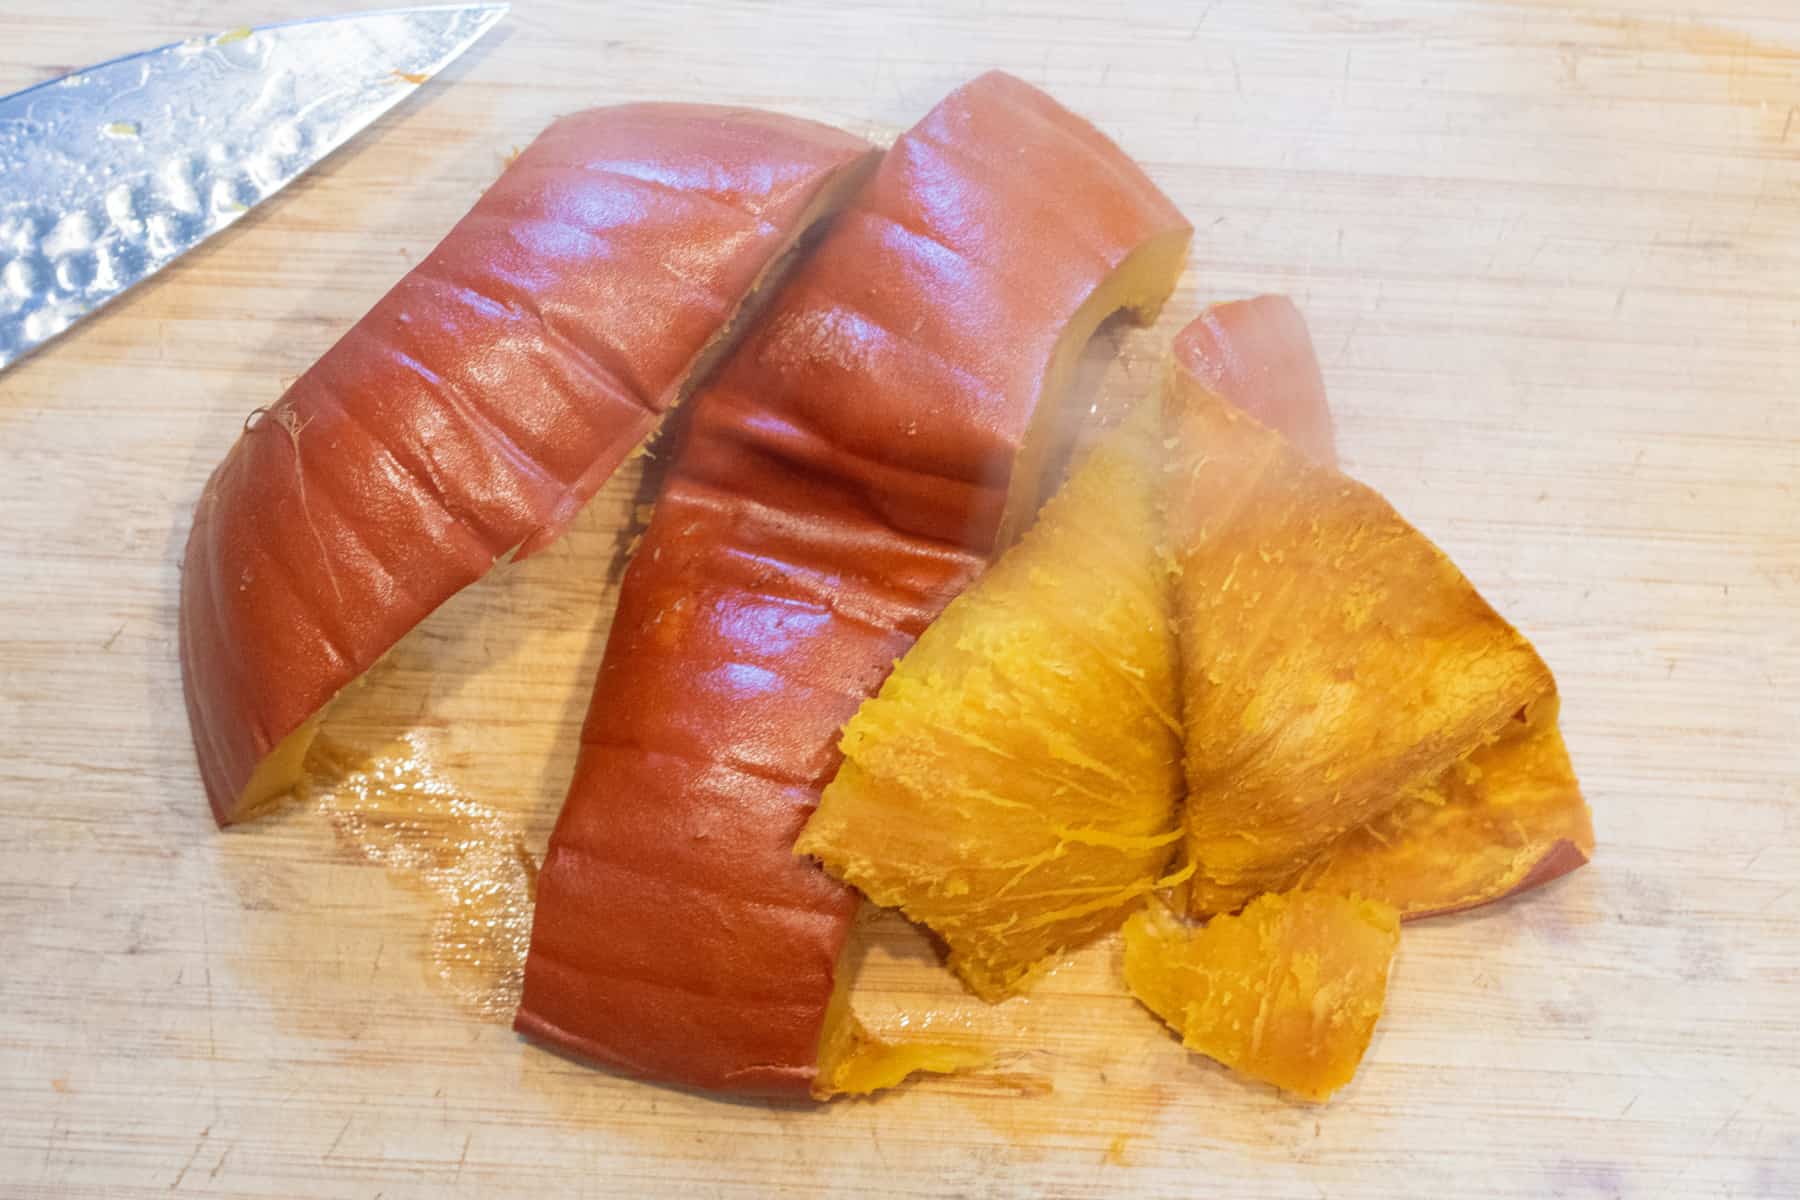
(1333,659)
(850,469)
(1507,818)
(477,406)
(1014,784)
(1288,991)
(854,1062)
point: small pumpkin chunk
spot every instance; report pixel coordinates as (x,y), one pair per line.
(1288,991)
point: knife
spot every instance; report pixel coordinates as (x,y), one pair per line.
(109,174)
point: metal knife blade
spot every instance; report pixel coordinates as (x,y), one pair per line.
(109,174)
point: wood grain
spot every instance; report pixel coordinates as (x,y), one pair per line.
(1550,253)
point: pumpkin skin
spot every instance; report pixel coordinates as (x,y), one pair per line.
(879,434)
(477,406)
(1259,355)
(1288,991)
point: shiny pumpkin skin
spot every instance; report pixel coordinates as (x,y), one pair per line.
(851,468)
(476,407)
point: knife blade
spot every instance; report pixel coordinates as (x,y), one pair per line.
(110,173)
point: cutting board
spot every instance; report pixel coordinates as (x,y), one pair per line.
(1551,255)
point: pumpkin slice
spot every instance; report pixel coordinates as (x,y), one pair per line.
(852,467)
(1506,819)
(1287,992)
(1014,785)
(1333,658)
(477,406)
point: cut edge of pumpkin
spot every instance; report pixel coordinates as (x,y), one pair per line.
(1139,286)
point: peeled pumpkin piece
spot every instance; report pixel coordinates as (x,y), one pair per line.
(1287,991)
(1014,784)
(1333,659)
(477,406)
(853,465)
(1508,818)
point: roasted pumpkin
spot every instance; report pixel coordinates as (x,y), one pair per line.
(1334,661)
(850,469)
(1505,818)
(1288,991)
(477,406)
(1014,785)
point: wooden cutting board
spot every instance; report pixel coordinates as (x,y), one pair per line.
(1551,254)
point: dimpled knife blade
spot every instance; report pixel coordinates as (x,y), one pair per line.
(111,173)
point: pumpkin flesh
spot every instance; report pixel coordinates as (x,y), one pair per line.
(1288,991)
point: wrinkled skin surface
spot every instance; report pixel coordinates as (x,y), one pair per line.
(476,407)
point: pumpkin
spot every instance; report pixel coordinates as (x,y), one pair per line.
(1014,785)
(477,406)
(1287,991)
(1333,658)
(876,438)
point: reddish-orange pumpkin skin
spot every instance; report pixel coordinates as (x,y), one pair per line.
(1258,354)
(845,475)
(479,404)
